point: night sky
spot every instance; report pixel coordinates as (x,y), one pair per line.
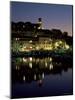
(53,16)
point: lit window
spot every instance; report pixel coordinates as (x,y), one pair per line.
(30,41)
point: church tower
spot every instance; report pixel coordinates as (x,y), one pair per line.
(40,23)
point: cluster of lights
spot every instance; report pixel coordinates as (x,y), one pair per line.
(45,45)
(17,39)
(50,65)
(25,59)
(40,76)
(56,44)
(63,45)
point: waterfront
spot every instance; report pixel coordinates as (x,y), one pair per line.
(41,50)
(45,76)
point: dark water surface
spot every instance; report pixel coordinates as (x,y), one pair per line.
(35,77)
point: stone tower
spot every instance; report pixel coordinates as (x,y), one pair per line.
(40,23)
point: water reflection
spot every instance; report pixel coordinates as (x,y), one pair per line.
(30,64)
(34,77)
(24,78)
(35,69)
(51,66)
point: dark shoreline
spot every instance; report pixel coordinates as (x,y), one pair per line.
(41,54)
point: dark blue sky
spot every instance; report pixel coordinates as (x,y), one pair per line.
(53,16)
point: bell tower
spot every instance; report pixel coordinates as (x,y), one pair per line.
(40,23)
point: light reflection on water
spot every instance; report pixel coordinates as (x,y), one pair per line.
(43,62)
(50,74)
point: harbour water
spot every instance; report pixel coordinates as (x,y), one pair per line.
(43,76)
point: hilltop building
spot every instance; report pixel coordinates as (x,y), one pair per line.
(30,36)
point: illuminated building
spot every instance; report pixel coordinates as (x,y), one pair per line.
(29,36)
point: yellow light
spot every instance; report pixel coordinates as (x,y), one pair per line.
(16,67)
(30,58)
(34,76)
(50,59)
(24,78)
(51,66)
(56,44)
(30,65)
(17,39)
(60,42)
(24,59)
(67,46)
(46,64)
(37,48)
(24,47)
(50,48)
(30,41)
(43,75)
(30,47)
